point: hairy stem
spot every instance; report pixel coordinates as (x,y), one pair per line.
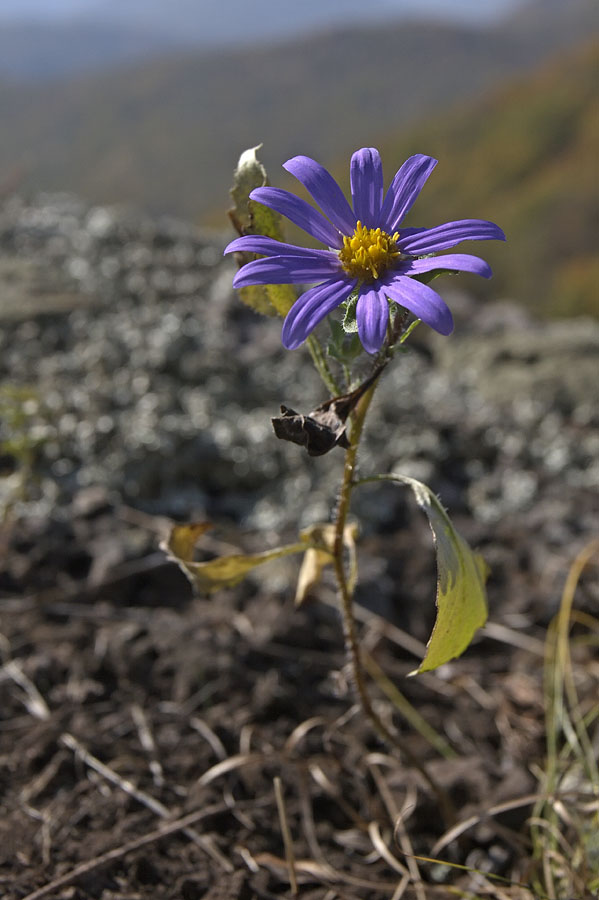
(322,367)
(345,598)
(346,605)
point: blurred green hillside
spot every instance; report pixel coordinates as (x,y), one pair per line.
(165,134)
(526,157)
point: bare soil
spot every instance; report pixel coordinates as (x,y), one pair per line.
(143,730)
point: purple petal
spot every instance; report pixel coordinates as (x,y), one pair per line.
(453,262)
(257,243)
(372,314)
(408,232)
(288,270)
(366,176)
(422,301)
(311,308)
(404,189)
(299,212)
(448,235)
(325,190)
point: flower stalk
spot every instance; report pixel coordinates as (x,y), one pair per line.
(322,367)
(345,596)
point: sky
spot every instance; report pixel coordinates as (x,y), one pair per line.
(459,9)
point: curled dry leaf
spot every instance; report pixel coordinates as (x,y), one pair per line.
(321,554)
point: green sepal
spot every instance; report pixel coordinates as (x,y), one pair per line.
(341,346)
(350,323)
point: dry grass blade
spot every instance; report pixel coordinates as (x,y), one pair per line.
(34,702)
(229,765)
(555,833)
(287,841)
(505,635)
(307,814)
(308,868)
(321,873)
(397,817)
(210,736)
(487,815)
(405,844)
(146,740)
(374,832)
(334,792)
(571,758)
(401,888)
(301,730)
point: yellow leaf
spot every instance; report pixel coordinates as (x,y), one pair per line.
(250,217)
(322,536)
(256,296)
(282,297)
(461,577)
(224,571)
(310,572)
(182,540)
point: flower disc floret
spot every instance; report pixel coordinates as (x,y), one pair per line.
(368,252)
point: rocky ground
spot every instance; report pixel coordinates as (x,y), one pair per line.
(134,389)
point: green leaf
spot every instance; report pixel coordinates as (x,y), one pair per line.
(250,217)
(461,577)
(224,571)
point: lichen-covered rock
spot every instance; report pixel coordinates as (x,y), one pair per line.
(145,375)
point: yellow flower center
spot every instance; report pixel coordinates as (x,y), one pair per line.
(368,252)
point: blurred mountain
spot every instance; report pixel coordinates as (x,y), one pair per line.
(165,135)
(41,40)
(525,157)
(33,51)
(237,21)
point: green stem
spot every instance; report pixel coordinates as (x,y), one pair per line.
(405,708)
(345,596)
(322,366)
(346,606)
(409,331)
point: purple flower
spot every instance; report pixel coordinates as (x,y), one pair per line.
(368,252)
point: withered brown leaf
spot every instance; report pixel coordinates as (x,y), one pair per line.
(324,427)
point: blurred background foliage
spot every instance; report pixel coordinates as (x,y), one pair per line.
(526,157)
